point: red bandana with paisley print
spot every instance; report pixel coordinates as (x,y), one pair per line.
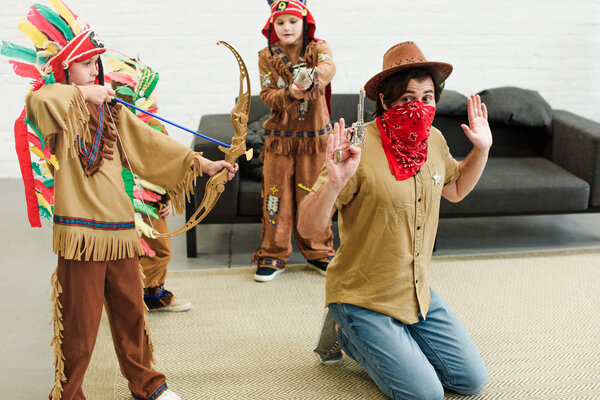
(404,131)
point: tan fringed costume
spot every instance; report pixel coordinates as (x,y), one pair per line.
(294,151)
(94,230)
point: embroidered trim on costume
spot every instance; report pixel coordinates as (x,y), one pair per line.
(315,81)
(92,157)
(88,223)
(154,395)
(298,134)
(286,61)
(271,262)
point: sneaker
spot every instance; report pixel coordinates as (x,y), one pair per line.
(268,269)
(328,350)
(168,395)
(176,305)
(319,265)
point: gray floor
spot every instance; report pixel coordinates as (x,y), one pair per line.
(28,262)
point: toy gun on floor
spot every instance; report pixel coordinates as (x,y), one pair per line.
(356,133)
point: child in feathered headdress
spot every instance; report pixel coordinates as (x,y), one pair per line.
(295,72)
(136,84)
(86,143)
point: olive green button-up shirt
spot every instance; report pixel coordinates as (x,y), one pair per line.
(387,231)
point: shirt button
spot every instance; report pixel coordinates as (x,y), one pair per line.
(418,254)
(419,227)
(417,281)
(419,199)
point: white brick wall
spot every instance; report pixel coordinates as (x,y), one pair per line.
(548,45)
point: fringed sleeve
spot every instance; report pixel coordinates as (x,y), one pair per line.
(320,52)
(275,98)
(158,158)
(60,114)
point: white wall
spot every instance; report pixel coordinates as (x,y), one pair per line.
(552,46)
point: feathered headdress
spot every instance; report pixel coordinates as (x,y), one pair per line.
(132,81)
(60,38)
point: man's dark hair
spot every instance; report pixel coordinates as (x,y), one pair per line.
(394,86)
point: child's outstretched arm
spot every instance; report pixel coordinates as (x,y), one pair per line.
(212,167)
(324,71)
(273,97)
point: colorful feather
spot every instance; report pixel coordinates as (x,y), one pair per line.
(145,195)
(150,186)
(114,63)
(45,26)
(12,50)
(46,192)
(66,13)
(52,160)
(146,247)
(126,91)
(127,177)
(37,132)
(43,173)
(38,38)
(25,70)
(120,77)
(145,209)
(22,148)
(144,103)
(46,209)
(55,20)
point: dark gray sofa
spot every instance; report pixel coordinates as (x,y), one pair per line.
(543,161)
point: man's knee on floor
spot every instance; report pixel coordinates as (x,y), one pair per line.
(423,390)
(473,381)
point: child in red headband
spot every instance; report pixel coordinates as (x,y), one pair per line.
(84,144)
(295,72)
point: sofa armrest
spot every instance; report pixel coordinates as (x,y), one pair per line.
(217,126)
(576,148)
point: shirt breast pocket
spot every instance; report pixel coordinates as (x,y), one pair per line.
(432,179)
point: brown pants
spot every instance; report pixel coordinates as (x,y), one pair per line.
(155,268)
(86,285)
(282,172)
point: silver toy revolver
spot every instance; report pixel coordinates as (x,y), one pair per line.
(356,134)
(303,76)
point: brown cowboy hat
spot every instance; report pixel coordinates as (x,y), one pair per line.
(403,56)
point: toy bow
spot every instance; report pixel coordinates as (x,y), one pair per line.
(216,184)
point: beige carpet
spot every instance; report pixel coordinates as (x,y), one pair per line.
(534,316)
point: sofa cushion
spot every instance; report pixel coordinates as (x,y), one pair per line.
(250,204)
(512,105)
(451,103)
(255,139)
(257,109)
(527,185)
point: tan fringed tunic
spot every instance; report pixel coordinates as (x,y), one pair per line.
(286,120)
(294,150)
(93,216)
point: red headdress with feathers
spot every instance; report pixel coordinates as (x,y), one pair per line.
(60,38)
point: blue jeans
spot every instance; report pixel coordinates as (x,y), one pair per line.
(412,361)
